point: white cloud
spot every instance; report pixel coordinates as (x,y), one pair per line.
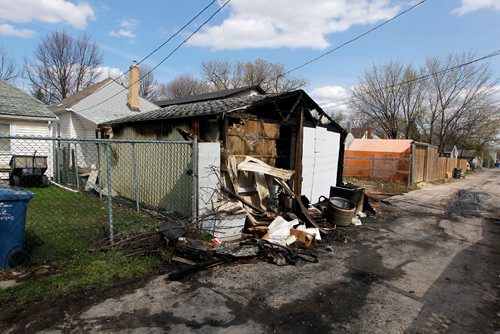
(122,33)
(9,30)
(110,72)
(468,6)
(329,93)
(331,98)
(290,23)
(46,11)
(126,29)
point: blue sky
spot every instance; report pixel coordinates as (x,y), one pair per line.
(283,31)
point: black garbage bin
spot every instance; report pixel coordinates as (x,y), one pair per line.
(457,173)
(13,203)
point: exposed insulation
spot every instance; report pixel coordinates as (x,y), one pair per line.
(255,138)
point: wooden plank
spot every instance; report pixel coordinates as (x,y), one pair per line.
(254,165)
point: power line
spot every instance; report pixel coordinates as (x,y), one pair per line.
(490,55)
(350,41)
(157,48)
(164,59)
(172,36)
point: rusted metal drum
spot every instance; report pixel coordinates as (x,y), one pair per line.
(340,211)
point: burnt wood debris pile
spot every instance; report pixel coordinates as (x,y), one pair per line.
(273,224)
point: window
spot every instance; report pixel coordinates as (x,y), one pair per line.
(4,143)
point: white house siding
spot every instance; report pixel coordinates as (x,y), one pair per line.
(27,147)
(79,130)
(65,125)
(86,152)
(71,126)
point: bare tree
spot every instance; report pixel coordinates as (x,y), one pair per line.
(63,65)
(459,98)
(223,74)
(482,136)
(413,94)
(219,74)
(392,107)
(149,86)
(183,85)
(8,67)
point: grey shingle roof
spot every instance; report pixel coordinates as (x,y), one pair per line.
(70,101)
(202,108)
(448,148)
(209,96)
(16,102)
(358,132)
(103,102)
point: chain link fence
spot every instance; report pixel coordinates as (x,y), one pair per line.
(393,170)
(97,189)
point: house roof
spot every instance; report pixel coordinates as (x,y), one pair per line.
(16,102)
(195,109)
(448,148)
(358,132)
(220,106)
(380,145)
(467,154)
(71,100)
(209,96)
(102,102)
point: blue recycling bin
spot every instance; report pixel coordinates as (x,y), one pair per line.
(13,203)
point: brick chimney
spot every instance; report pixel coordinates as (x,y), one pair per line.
(133,90)
(369,134)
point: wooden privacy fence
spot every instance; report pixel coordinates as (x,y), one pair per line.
(428,166)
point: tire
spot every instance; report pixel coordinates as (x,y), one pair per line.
(45,181)
(16,181)
(19,258)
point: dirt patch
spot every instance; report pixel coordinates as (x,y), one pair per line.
(493,220)
(37,316)
(465,203)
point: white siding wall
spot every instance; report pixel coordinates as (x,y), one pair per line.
(86,152)
(32,128)
(28,147)
(71,126)
(65,124)
(79,130)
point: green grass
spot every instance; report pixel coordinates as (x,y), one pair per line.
(62,230)
(437,182)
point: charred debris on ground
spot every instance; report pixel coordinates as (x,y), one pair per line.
(269,223)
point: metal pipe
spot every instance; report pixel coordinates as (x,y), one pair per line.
(58,160)
(99,179)
(110,192)
(134,178)
(412,165)
(91,140)
(76,167)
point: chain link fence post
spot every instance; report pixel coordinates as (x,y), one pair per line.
(76,167)
(135,179)
(194,168)
(110,191)
(98,167)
